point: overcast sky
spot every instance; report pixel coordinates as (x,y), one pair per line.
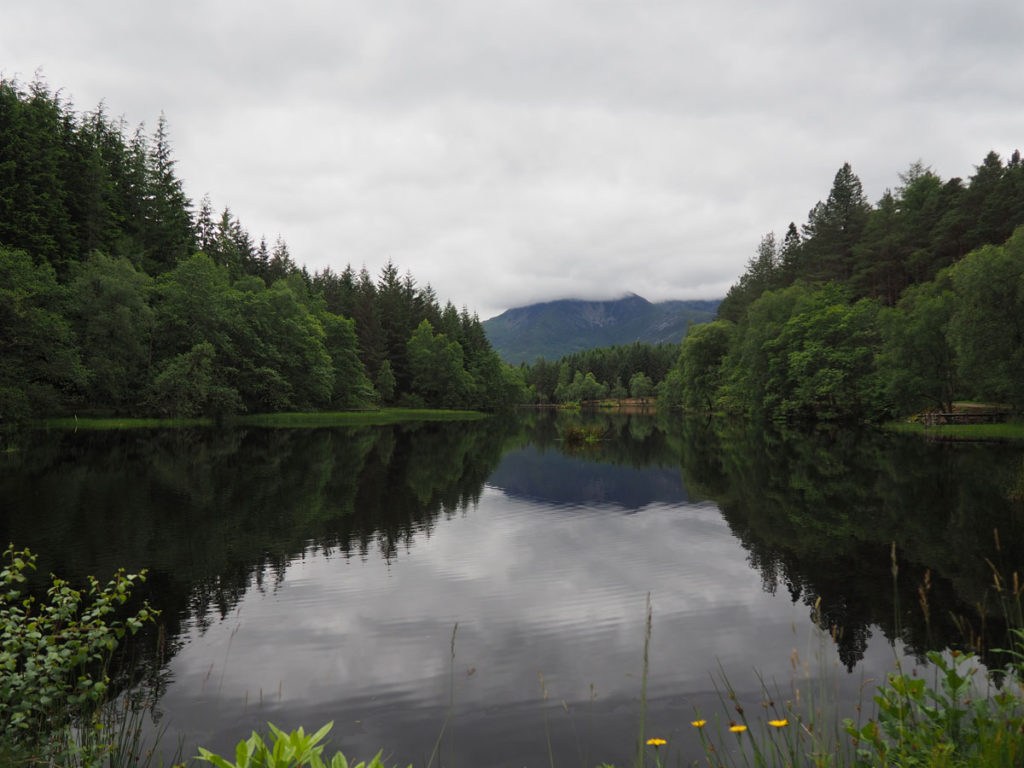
(508,152)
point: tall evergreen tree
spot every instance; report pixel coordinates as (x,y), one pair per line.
(33,146)
(833,229)
(167,227)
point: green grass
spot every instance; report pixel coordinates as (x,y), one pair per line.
(333,419)
(124,422)
(1009,431)
(346,418)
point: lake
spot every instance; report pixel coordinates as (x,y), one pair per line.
(478,591)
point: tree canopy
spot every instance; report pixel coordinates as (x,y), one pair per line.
(869,311)
(119,297)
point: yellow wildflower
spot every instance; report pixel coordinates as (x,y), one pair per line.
(737,728)
(656,742)
(699,723)
(778,723)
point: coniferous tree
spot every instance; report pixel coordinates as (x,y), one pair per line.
(833,229)
(372,343)
(33,211)
(205,229)
(167,224)
(281,264)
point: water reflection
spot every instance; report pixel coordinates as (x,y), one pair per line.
(820,512)
(533,589)
(309,575)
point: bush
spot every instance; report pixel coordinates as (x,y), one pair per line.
(55,654)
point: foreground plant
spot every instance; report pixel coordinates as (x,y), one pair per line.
(286,750)
(55,656)
(952,723)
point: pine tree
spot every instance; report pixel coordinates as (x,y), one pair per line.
(167,226)
(834,228)
(205,231)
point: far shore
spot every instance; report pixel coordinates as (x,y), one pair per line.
(292,420)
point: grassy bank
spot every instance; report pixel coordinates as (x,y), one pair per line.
(291,420)
(355,418)
(1007,431)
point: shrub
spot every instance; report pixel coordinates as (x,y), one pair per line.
(55,653)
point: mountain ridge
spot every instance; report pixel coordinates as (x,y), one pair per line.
(553,329)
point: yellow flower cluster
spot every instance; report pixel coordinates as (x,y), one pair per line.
(736,728)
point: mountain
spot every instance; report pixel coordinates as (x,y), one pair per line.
(557,328)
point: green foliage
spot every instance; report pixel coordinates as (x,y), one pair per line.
(185,386)
(54,654)
(700,364)
(113,321)
(386,382)
(952,334)
(987,326)
(953,722)
(917,363)
(114,294)
(763,273)
(828,348)
(582,388)
(805,354)
(833,230)
(39,363)
(436,368)
(751,371)
(608,365)
(640,385)
(296,749)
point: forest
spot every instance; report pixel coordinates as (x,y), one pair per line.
(119,297)
(616,372)
(863,313)
(871,311)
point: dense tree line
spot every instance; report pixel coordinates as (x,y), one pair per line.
(869,311)
(116,297)
(626,370)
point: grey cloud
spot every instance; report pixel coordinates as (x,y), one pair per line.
(518,151)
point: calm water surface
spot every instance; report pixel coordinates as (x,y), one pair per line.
(484,585)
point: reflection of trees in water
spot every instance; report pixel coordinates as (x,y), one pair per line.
(212,513)
(818,514)
(215,513)
(627,439)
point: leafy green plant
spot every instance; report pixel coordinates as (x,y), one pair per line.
(55,653)
(285,750)
(950,723)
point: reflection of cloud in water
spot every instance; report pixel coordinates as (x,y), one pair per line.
(532,587)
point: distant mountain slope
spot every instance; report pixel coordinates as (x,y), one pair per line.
(556,328)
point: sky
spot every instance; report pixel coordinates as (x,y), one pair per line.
(508,152)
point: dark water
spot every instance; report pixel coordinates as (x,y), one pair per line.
(315,575)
